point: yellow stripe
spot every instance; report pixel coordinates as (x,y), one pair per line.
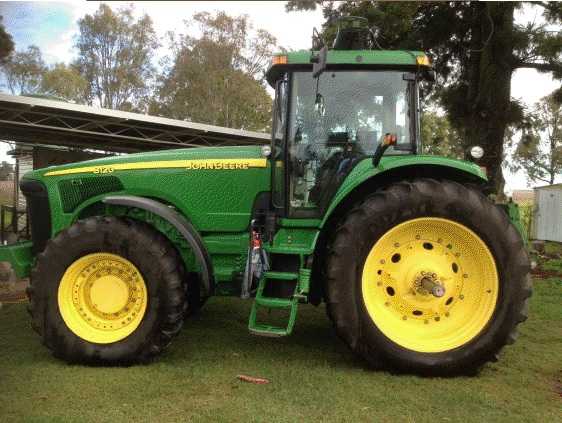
(205,164)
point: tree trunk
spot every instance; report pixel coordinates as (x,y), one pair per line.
(489,96)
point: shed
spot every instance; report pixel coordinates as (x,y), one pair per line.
(547,221)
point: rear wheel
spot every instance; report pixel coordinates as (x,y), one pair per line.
(107,290)
(428,277)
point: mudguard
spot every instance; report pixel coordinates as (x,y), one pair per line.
(182,225)
(399,167)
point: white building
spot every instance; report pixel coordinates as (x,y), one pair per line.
(547,220)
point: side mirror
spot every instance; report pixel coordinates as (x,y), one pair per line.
(319,62)
(387,140)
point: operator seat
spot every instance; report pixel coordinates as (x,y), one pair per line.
(334,170)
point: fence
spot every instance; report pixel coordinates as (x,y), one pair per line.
(13,220)
(14,224)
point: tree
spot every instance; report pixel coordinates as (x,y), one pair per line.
(66,82)
(6,43)
(539,152)
(6,171)
(217,78)
(475,47)
(439,137)
(23,71)
(115,57)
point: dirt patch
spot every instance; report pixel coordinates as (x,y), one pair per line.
(557,385)
(13,291)
(13,297)
(545,274)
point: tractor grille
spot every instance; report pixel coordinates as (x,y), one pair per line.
(39,213)
(74,191)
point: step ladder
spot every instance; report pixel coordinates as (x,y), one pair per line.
(301,289)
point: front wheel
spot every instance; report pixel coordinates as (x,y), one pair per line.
(429,277)
(107,291)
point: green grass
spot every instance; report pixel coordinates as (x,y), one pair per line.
(526,217)
(313,376)
(553,248)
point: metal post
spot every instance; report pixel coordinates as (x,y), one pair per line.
(2,223)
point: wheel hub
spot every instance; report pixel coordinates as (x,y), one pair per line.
(102,297)
(427,283)
(109,294)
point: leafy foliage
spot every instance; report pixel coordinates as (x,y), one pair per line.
(439,137)
(23,71)
(217,78)
(65,82)
(6,43)
(539,152)
(114,57)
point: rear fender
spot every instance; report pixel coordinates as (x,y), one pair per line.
(365,179)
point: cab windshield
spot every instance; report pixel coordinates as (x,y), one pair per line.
(333,127)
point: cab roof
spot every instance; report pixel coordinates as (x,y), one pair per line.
(342,59)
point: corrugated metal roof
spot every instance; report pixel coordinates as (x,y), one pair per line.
(554,186)
(34,120)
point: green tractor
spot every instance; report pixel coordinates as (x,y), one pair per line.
(419,271)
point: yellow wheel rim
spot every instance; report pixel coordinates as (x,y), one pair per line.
(102,298)
(430,285)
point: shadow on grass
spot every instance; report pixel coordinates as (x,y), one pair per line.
(219,332)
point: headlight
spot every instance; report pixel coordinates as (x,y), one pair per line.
(477,152)
(265,150)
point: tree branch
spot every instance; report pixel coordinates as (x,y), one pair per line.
(543,4)
(540,66)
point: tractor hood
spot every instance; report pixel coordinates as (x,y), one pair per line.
(213,187)
(217,158)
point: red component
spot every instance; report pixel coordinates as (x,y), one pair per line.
(256,241)
(390,139)
(251,379)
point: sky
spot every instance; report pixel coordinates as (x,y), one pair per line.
(52,27)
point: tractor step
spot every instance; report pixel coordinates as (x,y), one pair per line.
(268,331)
(274,302)
(286,276)
(271,303)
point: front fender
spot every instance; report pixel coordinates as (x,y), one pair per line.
(182,225)
(395,168)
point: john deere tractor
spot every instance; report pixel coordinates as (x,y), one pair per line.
(418,269)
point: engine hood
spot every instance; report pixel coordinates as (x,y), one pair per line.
(228,158)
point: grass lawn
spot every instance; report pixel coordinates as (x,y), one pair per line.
(313,376)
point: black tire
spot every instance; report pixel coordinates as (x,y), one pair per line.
(192,288)
(149,251)
(400,202)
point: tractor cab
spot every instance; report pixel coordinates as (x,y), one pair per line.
(334,108)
